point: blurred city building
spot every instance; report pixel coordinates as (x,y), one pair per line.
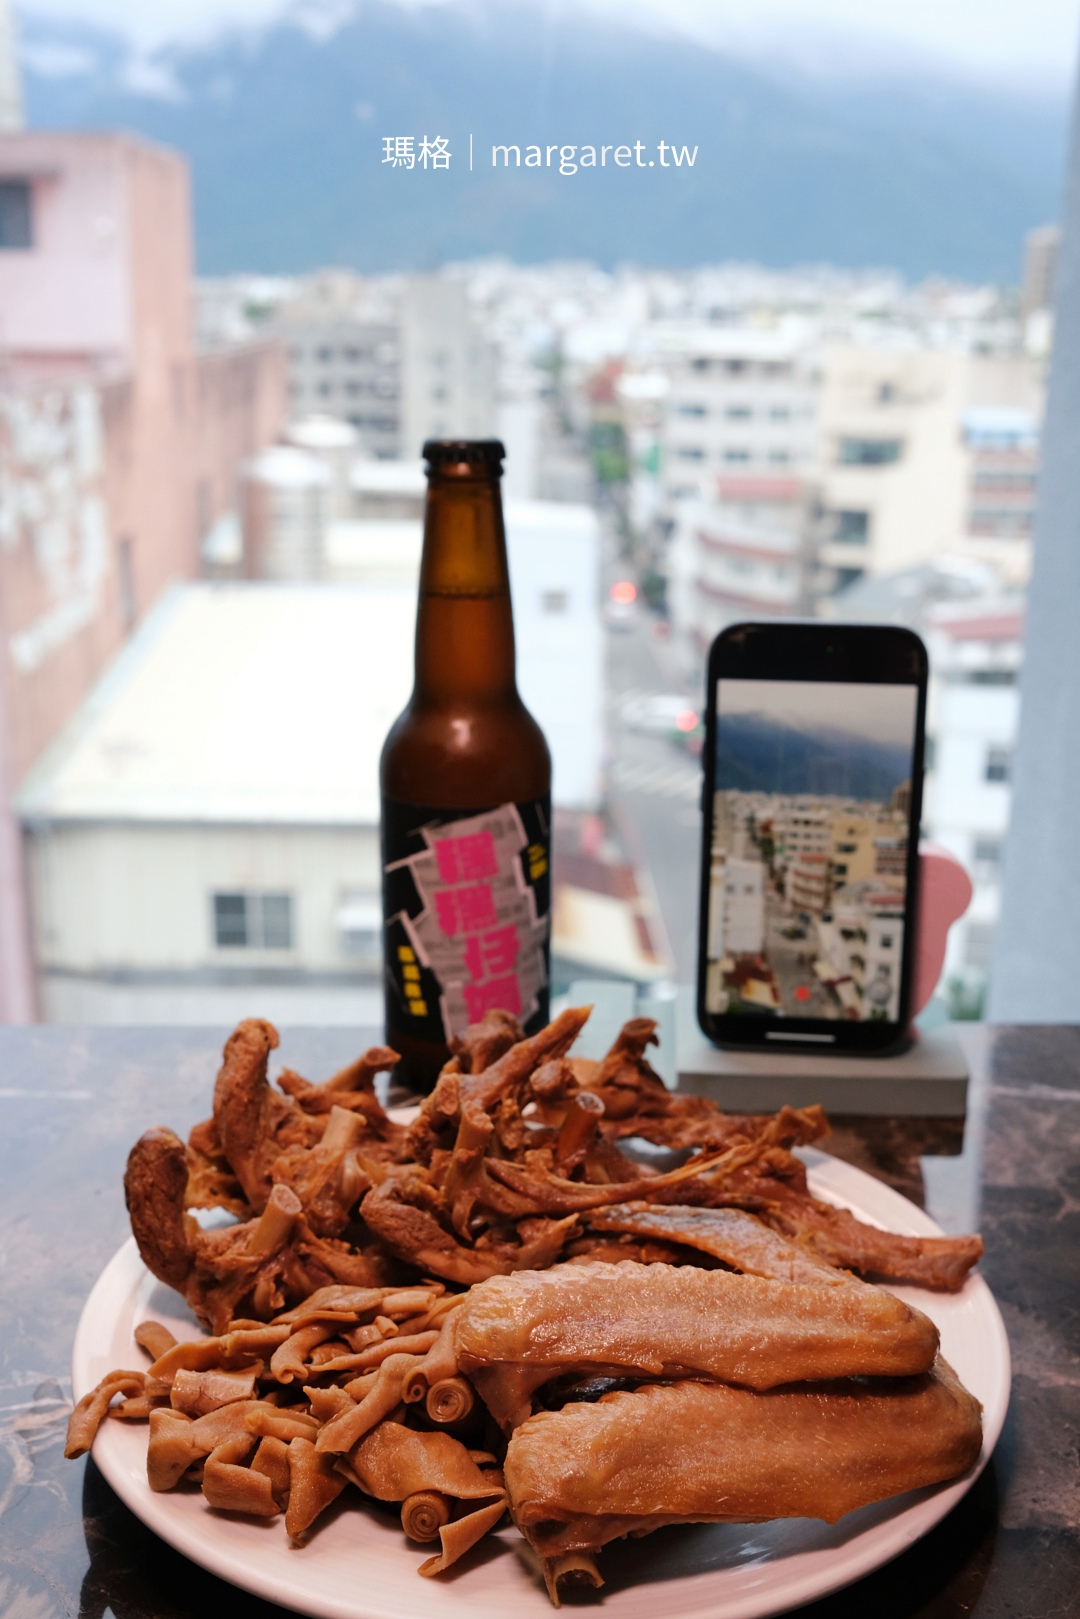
(1003,460)
(972,721)
(973,629)
(401,359)
(1042,248)
(740,442)
(892,472)
(205,834)
(736,437)
(120,444)
(344,345)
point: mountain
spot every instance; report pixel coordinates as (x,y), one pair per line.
(284,127)
(756,754)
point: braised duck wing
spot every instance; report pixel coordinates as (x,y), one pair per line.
(705,1452)
(515,1333)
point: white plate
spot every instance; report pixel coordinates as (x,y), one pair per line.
(360,1566)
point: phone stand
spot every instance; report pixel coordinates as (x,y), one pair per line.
(929,1079)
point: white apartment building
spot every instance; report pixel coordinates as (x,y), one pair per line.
(801,826)
(741,400)
(737,907)
(879,978)
(1003,454)
(448,369)
(861,949)
(893,473)
(740,555)
(737,435)
(925,452)
(400,362)
(203,839)
(972,717)
(346,366)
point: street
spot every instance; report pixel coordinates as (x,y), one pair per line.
(655,787)
(801,992)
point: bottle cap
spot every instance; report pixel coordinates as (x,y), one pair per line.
(488,452)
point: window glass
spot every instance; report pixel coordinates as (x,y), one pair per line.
(230,921)
(868,444)
(16,219)
(851,528)
(869,452)
(277,928)
(253,921)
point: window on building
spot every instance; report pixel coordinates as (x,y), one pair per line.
(993,677)
(986,859)
(16,215)
(325,389)
(869,452)
(978,945)
(850,528)
(780,413)
(689,452)
(779,458)
(736,455)
(738,413)
(253,921)
(554,601)
(691,410)
(324,354)
(998,764)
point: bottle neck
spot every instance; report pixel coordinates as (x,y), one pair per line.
(464,623)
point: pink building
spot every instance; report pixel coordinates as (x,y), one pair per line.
(120,447)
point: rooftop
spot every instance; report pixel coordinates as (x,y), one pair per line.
(239,703)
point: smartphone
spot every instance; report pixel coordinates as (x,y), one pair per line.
(813,756)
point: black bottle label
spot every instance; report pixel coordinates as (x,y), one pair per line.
(467,915)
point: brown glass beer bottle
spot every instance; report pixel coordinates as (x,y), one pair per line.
(466,788)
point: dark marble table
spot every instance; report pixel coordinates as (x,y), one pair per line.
(72,1101)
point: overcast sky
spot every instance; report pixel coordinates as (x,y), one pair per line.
(874,713)
(1019,41)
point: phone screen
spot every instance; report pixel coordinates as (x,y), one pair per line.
(806,902)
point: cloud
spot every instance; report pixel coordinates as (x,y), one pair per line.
(57,61)
(989,39)
(154,80)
